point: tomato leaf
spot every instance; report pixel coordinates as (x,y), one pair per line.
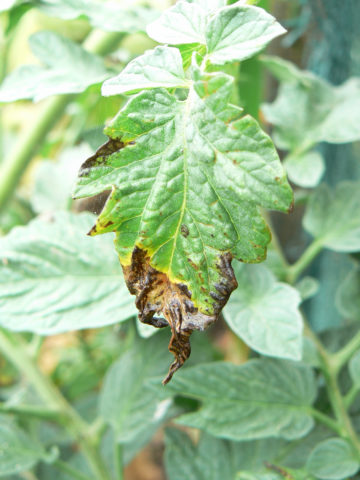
(187,178)
(54,279)
(260,399)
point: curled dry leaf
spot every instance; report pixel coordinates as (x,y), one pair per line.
(157,295)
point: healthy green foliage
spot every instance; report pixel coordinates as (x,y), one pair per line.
(347,296)
(309,110)
(50,195)
(53,278)
(127,402)
(209,460)
(58,76)
(333,459)
(332,217)
(236,405)
(109,16)
(18,452)
(264,313)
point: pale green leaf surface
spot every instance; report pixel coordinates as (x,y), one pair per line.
(53,278)
(18,452)
(213,458)
(230,34)
(49,194)
(333,459)
(187,184)
(305,170)
(208,460)
(160,67)
(354,368)
(68,69)
(183,23)
(263,398)
(134,409)
(332,217)
(265,314)
(275,472)
(347,298)
(307,287)
(259,476)
(209,6)
(309,110)
(108,16)
(237,33)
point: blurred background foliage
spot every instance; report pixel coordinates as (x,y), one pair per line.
(38,165)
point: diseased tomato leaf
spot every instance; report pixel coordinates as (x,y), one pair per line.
(187,179)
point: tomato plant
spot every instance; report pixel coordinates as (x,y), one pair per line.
(181,181)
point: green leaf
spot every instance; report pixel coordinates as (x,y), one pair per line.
(333,217)
(58,76)
(210,6)
(50,195)
(263,398)
(333,459)
(208,460)
(233,33)
(53,278)
(237,33)
(132,407)
(187,179)
(307,287)
(160,67)
(309,110)
(183,23)
(354,368)
(264,313)
(260,476)
(347,298)
(18,452)
(106,16)
(306,169)
(274,472)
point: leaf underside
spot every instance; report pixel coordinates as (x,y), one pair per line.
(187,179)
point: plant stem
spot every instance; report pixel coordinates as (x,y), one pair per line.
(295,270)
(330,372)
(31,411)
(118,460)
(326,420)
(341,357)
(15,350)
(65,467)
(351,395)
(14,165)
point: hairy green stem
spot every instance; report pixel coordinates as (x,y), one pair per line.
(295,270)
(326,420)
(14,165)
(337,401)
(341,357)
(14,349)
(351,395)
(32,411)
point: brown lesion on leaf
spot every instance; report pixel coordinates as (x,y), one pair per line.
(111,146)
(184,230)
(161,302)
